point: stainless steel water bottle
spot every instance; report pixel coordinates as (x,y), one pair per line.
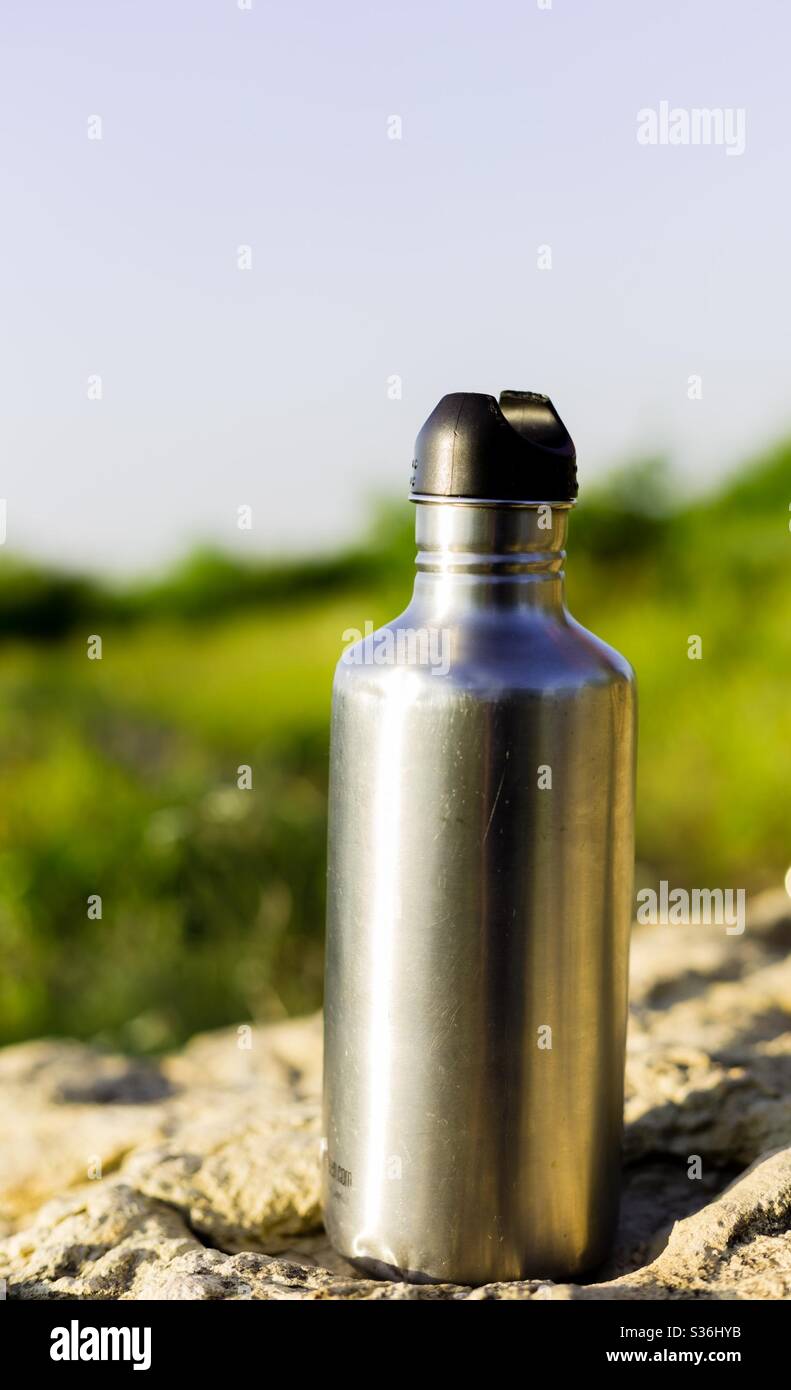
(480,883)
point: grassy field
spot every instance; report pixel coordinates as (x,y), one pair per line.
(118,777)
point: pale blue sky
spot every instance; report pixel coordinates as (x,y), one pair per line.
(371,256)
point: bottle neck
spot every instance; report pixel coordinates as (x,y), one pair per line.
(490,556)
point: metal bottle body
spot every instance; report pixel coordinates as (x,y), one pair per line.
(480,886)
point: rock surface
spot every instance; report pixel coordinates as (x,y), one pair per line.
(197,1176)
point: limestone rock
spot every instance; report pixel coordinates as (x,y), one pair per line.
(66,1113)
(244,1174)
(709,1058)
(285,1056)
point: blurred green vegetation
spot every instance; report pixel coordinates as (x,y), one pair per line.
(118,776)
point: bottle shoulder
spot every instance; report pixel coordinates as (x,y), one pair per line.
(601,652)
(527,650)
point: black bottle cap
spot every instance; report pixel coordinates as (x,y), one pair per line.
(517,451)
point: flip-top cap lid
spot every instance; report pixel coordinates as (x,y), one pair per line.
(516,451)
